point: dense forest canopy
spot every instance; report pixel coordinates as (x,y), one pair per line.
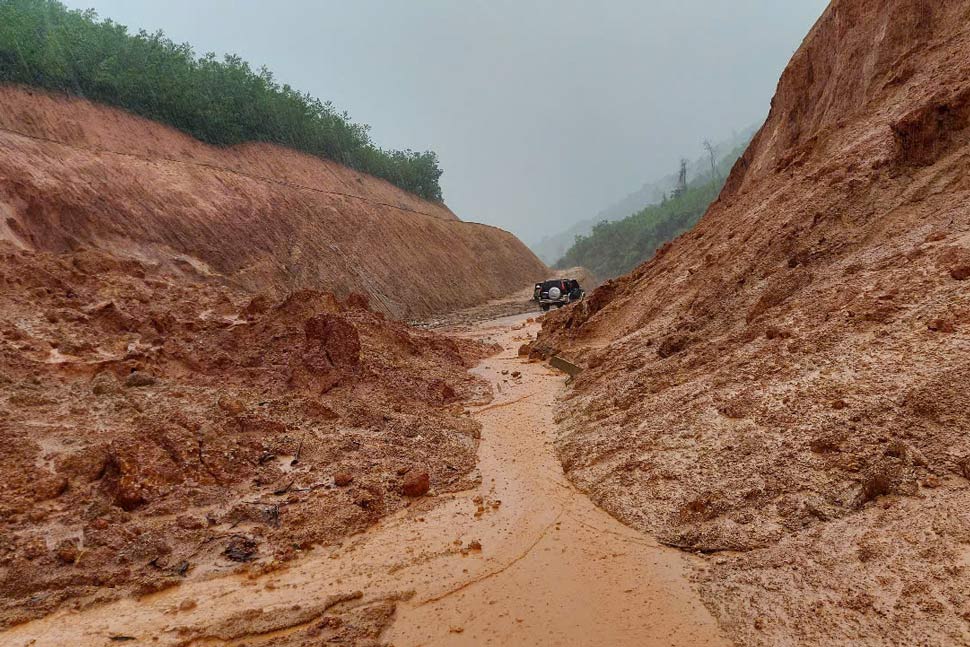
(222,102)
(616,247)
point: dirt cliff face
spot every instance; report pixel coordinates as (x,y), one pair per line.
(785,387)
(77,175)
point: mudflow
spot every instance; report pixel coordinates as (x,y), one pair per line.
(199,449)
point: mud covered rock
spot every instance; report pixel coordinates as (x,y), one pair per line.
(241,548)
(331,341)
(941,325)
(138,471)
(232,406)
(416,483)
(441,392)
(258,305)
(110,317)
(140,379)
(104,383)
(961,272)
(67,551)
(672,344)
(357,301)
(50,487)
(343,479)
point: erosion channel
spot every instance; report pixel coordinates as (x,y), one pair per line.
(524,559)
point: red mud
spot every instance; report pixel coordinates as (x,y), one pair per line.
(157,431)
(785,387)
(521,558)
(76,175)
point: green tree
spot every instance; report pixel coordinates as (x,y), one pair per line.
(615,248)
(221,102)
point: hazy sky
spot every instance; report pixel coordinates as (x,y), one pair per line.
(542,112)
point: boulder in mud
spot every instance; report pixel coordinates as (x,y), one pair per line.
(104,383)
(357,301)
(416,483)
(343,479)
(258,305)
(110,317)
(67,551)
(232,406)
(241,548)
(960,272)
(941,325)
(672,345)
(138,472)
(441,392)
(331,341)
(50,487)
(139,379)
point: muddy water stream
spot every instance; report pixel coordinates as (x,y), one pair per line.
(526,559)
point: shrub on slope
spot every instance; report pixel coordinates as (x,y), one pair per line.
(222,102)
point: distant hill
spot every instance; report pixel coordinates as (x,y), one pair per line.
(653,192)
(552,248)
(616,247)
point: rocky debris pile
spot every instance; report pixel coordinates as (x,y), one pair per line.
(156,429)
(785,387)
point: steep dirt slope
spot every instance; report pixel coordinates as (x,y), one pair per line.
(786,387)
(157,430)
(75,174)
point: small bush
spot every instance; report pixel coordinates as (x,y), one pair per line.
(221,102)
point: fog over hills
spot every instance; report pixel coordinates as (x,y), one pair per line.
(551,246)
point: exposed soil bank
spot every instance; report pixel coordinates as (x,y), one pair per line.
(74,175)
(785,386)
(524,559)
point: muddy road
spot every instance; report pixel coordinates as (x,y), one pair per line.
(524,559)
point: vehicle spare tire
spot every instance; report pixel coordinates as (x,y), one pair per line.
(554,293)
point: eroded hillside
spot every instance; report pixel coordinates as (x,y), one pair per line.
(77,175)
(785,387)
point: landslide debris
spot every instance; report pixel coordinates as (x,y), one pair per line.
(156,429)
(784,388)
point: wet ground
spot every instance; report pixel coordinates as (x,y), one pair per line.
(524,559)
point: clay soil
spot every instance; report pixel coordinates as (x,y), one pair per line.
(75,175)
(156,432)
(785,388)
(518,557)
